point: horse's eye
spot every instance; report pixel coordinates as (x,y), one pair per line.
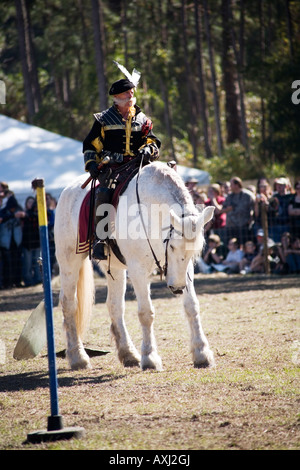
(172,247)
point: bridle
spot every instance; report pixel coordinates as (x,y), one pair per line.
(161,269)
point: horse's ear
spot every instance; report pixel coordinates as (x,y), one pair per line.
(205,216)
(208,213)
(176,221)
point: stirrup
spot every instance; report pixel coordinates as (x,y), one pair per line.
(98,250)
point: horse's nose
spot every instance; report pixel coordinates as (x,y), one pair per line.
(176,290)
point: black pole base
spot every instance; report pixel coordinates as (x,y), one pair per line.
(55,432)
(55,423)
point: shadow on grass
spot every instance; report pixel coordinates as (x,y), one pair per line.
(33,380)
(24,299)
(207,284)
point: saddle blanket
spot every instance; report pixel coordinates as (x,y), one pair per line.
(83,242)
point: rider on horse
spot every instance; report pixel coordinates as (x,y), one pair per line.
(122,133)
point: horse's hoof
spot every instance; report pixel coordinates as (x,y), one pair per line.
(153,361)
(80,362)
(129,359)
(131,363)
(204,360)
(81,365)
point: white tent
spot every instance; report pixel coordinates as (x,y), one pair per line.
(28,152)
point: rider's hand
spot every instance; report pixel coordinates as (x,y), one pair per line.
(145,153)
(92,167)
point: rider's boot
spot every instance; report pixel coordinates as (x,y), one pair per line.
(103,196)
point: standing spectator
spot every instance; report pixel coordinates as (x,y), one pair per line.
(279,222)
(294,211)
(31,244)
(224,187)
(262,201)
(10,238)
(217,200)
(239,210)
(51,206)
(191,185)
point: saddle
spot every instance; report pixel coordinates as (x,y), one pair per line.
(119,177)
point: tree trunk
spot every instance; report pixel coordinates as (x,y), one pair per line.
(98,28)
(167,116)
(203,106)
(164,73)
(124,31)
(229,79)
(238,54)
(289,28)
(29,69)
(192,126)
(213,77)
(262,58)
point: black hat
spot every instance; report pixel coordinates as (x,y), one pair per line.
(120,86)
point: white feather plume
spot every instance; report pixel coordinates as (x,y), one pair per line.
(134,77)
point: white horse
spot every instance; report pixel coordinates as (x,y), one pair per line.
(156,222)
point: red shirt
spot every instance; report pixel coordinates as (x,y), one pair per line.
(219,220)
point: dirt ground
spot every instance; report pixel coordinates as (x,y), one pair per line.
(249,401)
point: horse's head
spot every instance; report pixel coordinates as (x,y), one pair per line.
(185,241)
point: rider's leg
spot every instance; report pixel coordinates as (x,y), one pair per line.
(103,196)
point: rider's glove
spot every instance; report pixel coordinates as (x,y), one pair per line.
(92,167)
(145,153)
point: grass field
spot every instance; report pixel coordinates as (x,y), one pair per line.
(249,401)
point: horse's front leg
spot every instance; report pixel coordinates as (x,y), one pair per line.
(116,285)
(150,358)
(201,353)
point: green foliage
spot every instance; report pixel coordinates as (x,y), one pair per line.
(149,36)
(233,162)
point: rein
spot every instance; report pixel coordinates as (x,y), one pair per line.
(162,269)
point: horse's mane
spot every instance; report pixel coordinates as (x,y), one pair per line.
(170,180)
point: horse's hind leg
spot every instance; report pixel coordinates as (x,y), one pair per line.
(201,353)
(116,287)
(150,358)
(77,357)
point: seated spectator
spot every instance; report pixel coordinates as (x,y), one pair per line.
(213,253)
(232,261)
(294,211)
(282,248)
(258,265)
(279,221)
(249,254)
(293,256)
(260,240)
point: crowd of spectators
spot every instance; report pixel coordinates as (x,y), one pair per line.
(255,229)
(247,222)
(20,240)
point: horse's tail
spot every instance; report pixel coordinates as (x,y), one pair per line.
(85,297)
